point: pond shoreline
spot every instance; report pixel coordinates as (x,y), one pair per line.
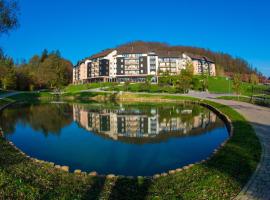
(223,118)
(215,107)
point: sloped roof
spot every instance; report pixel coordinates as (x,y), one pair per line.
(132,49)
(168,54)
(144,50)
(198,57)
(101,54)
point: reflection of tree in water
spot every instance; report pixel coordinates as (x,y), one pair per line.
(47,118)
(166,113)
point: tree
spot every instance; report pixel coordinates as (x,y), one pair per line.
(183,83)
(9,80)
(254,80)
(126,85)
(55,72)
(24,79)
(204,79)
(219,70)
(237,84)
(190,68)
(44,55)
(6,64)
(8,15)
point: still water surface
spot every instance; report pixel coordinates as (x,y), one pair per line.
(110,138)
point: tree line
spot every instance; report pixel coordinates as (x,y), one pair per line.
(48,70)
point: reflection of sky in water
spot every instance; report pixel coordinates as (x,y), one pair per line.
(133,140)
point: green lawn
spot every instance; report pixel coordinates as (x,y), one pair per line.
(77,88)
(216,85)
(225,85)
(222,177)
(262,101)
(219,85)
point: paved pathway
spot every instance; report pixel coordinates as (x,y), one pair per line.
(258,186)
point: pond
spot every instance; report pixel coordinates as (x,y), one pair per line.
(123,139)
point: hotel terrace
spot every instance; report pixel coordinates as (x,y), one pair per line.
(134,65)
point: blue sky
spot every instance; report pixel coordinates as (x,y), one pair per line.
(79,28)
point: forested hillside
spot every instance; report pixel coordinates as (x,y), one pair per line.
(225,63)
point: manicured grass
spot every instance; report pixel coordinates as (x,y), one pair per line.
(246,89)
(258,100)
(216,85)
(219,85)
(31,96)
(77,88)
(222,177)
(141,87)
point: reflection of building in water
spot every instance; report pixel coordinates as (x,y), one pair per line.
(137,124)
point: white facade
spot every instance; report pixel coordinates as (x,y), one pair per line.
(112,60)
(137,66)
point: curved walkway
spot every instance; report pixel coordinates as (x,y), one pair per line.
(258,186)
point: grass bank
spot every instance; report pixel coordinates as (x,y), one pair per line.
(77,88)
(257,100)
(222,177)
(215,85)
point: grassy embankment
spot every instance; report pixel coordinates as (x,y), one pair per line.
(257,100)
(77,88)
(222,177)
(215,85)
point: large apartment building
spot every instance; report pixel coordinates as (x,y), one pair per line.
(135,65)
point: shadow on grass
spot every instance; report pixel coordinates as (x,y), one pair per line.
(95,188)
(125,189)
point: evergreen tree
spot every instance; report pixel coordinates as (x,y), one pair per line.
(44,55)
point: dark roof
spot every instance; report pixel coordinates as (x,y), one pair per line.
(146,50)
(198,57)
(169,54)
(132,49)
(101,54)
